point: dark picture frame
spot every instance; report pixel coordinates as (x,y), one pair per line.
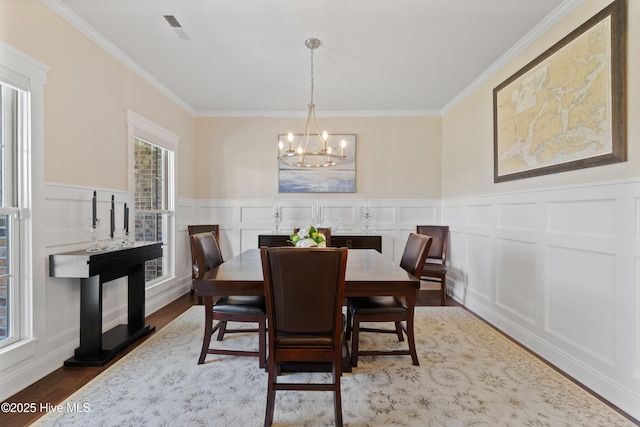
(566,109)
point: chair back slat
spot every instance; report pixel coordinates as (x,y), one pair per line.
(439,234)
(415,253)
(205,228)
(201,228)
(206,253)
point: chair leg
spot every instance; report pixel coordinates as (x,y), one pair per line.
(271,395)
(411,339)
(443,290)
(222,330)
(208,330)
(347,333)
(399,331)
(337,399)
(205,342)
(354,341)
(262,342)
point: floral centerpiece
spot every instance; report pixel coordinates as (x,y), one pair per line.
(308,237)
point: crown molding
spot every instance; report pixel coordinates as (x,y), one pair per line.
(545,25)
(86,29)
(553,18)
(320,114)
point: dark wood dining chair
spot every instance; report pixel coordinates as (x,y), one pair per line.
(201,228)
(326,231)
(388,308)
(304,291)
(243,309)
(435,267)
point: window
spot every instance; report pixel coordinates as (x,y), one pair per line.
(22,290)
(9,238)
(11,106)
(153,182)
(151,210)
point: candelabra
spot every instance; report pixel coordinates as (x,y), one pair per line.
(366,213)
(277,218)
(125,238)
(319,219)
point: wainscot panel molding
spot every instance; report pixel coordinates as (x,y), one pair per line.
(68,217)
(558,270)
(242,220)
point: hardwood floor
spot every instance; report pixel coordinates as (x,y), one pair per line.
(60,384)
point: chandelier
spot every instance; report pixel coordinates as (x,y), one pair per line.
(312,148)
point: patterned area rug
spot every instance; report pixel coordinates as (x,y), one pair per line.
(469,375)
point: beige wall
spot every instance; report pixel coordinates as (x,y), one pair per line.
(88,92)
(396,157)
(468,127)
(87,95)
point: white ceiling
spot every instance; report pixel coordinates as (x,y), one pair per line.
(247,57)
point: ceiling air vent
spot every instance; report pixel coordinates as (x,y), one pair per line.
(177,27)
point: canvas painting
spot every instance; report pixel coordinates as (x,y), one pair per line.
(340,178)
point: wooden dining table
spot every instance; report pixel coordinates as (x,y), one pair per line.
(369,273)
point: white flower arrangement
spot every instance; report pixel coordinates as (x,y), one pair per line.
(308,237)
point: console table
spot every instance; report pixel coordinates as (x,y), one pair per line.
(351,241)
(93,269)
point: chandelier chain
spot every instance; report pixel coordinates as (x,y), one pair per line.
(312,76)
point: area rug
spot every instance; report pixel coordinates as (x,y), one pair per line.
(469,375)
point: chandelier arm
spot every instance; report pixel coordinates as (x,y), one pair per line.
(312,112)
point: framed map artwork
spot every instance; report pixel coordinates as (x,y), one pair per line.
(566,109)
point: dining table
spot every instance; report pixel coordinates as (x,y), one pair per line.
(368,273)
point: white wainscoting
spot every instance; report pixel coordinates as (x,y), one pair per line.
(67,229)
(559,271)
(241,221)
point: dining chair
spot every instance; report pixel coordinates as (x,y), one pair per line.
(388,308)
(195,229)
(243,309)
(304,291)
(435,267)
(326,231)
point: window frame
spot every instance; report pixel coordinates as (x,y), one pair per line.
(142,128)
(13,101)
(28,76)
